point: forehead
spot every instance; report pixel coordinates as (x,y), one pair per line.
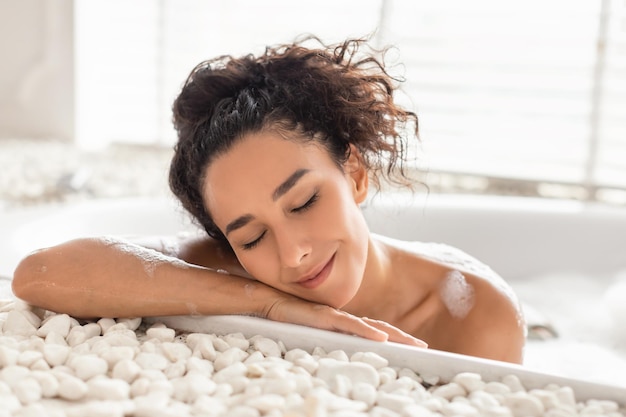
(255,166)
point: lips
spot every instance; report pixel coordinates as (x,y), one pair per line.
(315,279)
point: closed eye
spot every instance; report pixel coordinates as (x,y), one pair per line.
(306,205)
(251,245)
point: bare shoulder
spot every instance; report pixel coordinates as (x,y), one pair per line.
(479,314)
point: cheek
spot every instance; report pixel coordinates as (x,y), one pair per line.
(259,263)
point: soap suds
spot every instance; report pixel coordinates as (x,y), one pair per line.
(457,294)
(193,309)
(149,258)
(249,289)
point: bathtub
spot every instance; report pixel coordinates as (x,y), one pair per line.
(558,255)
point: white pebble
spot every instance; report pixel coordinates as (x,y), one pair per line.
(27,390)
(566,396)
(32,410)
(53,338)
(48,383)
(449,391)
(175,370)
(161,387)
(237,340)
(13,373)
(9,403)
(266,402)
(76,336)
(228,357)
(494,387)
(268,347)
(243,411)
(98,409)
(340,385)
(151,361)
(17,323)
(88,366)
(282,386)
(470,381)
(8,356)
(387,374)
(355,371)
(130,323)
(393,402)
(220,344)
(126,370)
(40,365)
(417,410)
(105,324)
(162,334)
(523,405)
(309,363)
(102,388)
(209,406)
(121,338)
(175,351)
(370,358)
(55,354)
(203,344)
(28,357)
(402,385)
(339,355)
(318,352)
(139,387)
(294,354)
(482,400)
(364,392)
(231,371)
(72,388)
(376,411)
(459,409)
(113,354)
(58,323)
(201,365)
(513,382)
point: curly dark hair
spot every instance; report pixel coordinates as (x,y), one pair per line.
(329,94)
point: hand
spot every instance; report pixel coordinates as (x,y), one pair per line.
(298,311)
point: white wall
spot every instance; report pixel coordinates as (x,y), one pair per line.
(36,70)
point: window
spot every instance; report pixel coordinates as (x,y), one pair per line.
(530,93)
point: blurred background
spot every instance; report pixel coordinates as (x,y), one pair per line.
(515,98)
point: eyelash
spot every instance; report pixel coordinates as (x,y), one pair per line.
(302,208)
(306,205)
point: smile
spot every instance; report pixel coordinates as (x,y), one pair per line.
(315,280)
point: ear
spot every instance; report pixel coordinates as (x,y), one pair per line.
(356,173)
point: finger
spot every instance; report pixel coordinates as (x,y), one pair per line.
(395,334)
(343,322)
(323,317)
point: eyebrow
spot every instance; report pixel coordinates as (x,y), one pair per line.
(287,185)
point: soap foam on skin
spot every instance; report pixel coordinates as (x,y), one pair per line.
(150,258)
(460,261)
(457,294)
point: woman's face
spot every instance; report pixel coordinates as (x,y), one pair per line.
(292,215)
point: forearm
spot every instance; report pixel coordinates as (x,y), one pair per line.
(107,278)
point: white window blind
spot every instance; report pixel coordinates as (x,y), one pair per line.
(532,90)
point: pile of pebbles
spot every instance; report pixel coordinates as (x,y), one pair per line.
(54,365)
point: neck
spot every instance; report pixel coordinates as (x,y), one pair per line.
(376,281)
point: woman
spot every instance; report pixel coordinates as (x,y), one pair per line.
(274,157)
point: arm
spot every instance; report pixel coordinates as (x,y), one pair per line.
(106,277)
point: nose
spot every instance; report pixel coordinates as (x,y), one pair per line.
(293,246)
